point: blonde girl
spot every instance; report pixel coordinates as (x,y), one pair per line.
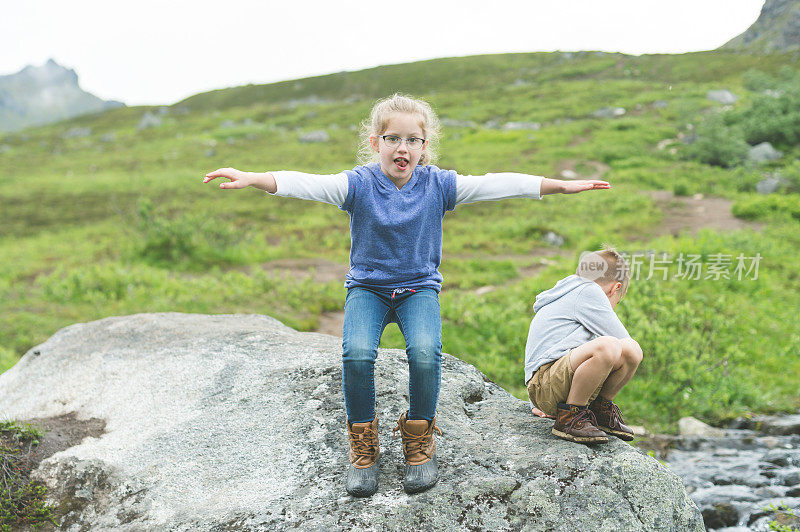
(396,201)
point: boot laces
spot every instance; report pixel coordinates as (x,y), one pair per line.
(363,444)
(616,414)
(412,443)
(581,418)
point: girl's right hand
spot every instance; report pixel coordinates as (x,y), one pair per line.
(238,179)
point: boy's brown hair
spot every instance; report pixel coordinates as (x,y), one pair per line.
(604,267)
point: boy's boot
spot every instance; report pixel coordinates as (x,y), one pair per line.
(609,418)
(577,423)
(419,449)
(362,474)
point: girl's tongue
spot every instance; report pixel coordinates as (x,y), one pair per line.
(402,164)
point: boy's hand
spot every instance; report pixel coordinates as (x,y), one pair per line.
(537,412)
(238,178)
(573,187)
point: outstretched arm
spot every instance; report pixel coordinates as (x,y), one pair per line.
(325,188)
(497,186)
(239,179)
(556,186)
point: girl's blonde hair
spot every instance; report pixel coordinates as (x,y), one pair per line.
(378,122)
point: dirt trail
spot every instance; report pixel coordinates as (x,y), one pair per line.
(320,270)
(331,323)
(693,213)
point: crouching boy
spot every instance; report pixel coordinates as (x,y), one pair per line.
(579,355)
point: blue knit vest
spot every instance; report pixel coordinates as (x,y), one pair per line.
(396,235)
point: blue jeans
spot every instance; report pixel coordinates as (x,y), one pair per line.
(367,312)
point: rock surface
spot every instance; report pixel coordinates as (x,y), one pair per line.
(148,120)
(319,135)
(721,96)
(690,426)
(771,184)
(777,28)
(237,422)
(608,112)
(740,479)
(763,152)
(775,425)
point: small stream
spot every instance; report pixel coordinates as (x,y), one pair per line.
(742,480)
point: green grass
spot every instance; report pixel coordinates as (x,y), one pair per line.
(96,228)
(21,500)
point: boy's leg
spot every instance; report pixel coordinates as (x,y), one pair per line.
(548,388)
(592,363)
(608,362)
(630,358)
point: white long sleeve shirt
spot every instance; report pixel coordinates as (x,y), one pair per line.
(332,188)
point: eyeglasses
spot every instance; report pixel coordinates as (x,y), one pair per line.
(393,141)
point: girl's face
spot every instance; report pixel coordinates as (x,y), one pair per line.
(398,162)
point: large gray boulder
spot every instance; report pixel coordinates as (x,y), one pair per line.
(771,184)
(148,120)
(608,112)
(236,422)
(319,135)
(722,96)
(763,152)
(776,425)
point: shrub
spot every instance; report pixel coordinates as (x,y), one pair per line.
(680,189)
(792,175)
(718,143)
(773,119)
(761,207)
(774,113)
(756,81)
(191,241)
(21,500)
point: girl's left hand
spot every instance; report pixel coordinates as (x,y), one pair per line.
(573,187)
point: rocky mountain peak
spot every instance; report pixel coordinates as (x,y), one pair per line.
(41,94)
(777,28)
(50,73)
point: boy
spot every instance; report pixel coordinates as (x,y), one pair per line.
(579,355)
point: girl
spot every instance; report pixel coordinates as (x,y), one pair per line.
(396,201)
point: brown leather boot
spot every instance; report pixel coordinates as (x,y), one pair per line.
(419,450)
(362,474)
(577,423)
(609,418)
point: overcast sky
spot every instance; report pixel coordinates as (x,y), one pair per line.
(159,52)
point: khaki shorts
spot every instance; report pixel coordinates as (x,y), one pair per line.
(550,385)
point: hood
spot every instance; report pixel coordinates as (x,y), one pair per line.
(562,288)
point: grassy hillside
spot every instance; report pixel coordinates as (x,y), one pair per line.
(119,222)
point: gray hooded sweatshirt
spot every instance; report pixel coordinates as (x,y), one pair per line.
(568,315)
